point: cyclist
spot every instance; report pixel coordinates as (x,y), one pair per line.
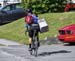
(28,26)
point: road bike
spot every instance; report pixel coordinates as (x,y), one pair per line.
(34,44)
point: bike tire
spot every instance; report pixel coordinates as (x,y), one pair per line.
(36,47)
(35,52)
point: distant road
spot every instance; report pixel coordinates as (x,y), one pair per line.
(8,42)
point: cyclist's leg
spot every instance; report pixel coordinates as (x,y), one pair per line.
(37,35)
(30,38)
(38,40)
(30,42)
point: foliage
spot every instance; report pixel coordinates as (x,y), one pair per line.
(43,6)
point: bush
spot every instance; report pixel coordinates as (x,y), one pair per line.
(44,6)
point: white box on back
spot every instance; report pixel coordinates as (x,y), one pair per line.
(43,25)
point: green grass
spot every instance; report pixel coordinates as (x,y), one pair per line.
(15,30)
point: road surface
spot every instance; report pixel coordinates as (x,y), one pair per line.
(54,52)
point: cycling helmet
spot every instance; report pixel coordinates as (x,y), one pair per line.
(29,10)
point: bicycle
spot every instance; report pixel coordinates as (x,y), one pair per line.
(34,44)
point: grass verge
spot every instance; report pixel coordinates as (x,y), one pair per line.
(16,30)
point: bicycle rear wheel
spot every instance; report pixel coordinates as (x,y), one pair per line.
(35,52)
(36,47)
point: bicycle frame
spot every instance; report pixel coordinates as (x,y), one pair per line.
(34,44)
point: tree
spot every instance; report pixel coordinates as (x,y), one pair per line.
(42,6)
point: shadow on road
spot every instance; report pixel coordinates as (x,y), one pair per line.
(69,44)
(55,52)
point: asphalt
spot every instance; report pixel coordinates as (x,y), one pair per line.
(53,52)
(8,42)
